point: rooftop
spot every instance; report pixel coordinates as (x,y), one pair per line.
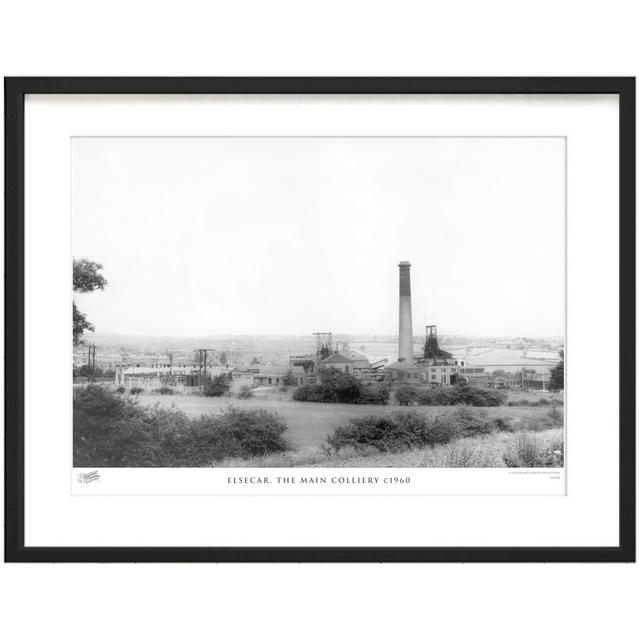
(281,370)
(404,364)
(336,358)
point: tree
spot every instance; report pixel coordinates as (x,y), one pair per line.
(217,386)
(85,280)
(289,380)
(374,394)
(223,358)
(85,371)
(80,325)
(557,375)
(339,386)
(406,395)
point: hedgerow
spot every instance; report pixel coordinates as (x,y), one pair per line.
(338,386)
(413,429)
(403,430)
(460,394)
(374,394)
(110,430)
(406,395)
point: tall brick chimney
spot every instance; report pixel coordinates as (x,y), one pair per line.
(405,351)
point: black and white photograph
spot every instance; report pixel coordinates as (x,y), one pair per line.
(320,319)
(319,302)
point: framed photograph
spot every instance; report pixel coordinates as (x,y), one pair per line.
(320,319)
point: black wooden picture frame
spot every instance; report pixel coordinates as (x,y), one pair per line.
(15,91)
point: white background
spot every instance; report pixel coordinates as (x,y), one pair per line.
(335,38)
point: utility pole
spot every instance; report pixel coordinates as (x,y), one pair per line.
(202,362)
(91,362)
(169,355)
(204,382)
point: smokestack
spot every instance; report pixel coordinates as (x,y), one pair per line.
(405,351)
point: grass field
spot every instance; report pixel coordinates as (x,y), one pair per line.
(111,430)
(310,423)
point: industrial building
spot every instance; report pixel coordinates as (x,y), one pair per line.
(432,365)
(350,361)
(182,378)
(280,376)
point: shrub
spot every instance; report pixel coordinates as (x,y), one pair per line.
(437,396)
(540,402)
(556,417)
(84,371)
(375,431)
(166,391)
(245,392)
(462,457)
(121,389)
(398,431)
(110,430)
(406,395)
(480,397)
(461,394)
(527,450)
(311,393)
(217,386)
(134,391)
(506,424)
(232,433)
(556,381)
(554,455)
(303,393)
(334,386)
(374,394)
(99,401)
(441,429)
(289,379)
(338,386)
(471,423)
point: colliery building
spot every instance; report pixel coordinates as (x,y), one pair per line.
(433,366)
(347,360)
(280,376)
(181,378)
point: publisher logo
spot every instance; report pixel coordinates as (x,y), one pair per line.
(87,478)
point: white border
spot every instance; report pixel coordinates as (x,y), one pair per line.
(587,516)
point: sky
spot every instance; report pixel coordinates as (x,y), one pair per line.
(212,236)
